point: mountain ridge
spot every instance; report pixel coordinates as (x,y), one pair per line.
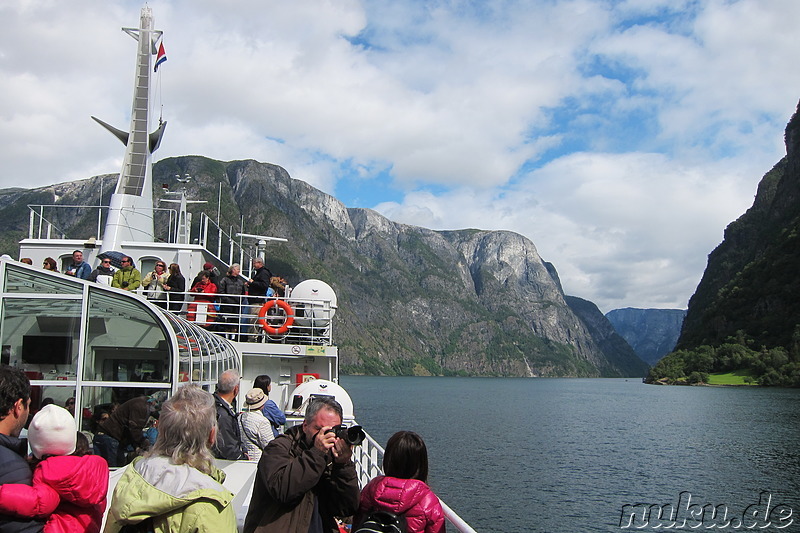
(412,301)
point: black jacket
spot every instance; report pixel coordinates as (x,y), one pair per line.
(259,285)
(229,437)
(14,469)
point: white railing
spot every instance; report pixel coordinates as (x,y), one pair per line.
(368,459)
(309,322)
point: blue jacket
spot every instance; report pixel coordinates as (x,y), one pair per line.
(82,271)
(274,415)
(14,469)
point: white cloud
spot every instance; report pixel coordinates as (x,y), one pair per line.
(620,137)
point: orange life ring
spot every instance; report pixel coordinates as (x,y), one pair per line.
(287,322)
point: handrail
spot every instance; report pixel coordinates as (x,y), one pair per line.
(368,458)
(312,323)
(224,242)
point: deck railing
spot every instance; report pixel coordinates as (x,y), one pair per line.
(307,322)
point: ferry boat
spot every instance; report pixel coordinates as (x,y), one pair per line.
(103,345)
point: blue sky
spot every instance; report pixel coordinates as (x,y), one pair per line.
(621,137)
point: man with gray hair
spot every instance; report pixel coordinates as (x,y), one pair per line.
(305,477)
(228,444)
(259,283)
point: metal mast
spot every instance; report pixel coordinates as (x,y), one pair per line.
(130,215)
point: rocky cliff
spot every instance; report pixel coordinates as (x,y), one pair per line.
(412,301)
(750,289)
(652,333)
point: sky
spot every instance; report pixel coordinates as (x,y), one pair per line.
(620,137)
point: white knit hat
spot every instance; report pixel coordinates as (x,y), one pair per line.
(52,432)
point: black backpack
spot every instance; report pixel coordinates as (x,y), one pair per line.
(145,526)
(382,522)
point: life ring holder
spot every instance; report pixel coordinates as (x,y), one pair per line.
(287,322)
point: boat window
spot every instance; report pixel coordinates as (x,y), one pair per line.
(99,402)
(60,395)
(41,335)
(124,342)
(25,280)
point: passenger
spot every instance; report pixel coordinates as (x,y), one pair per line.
(278,285)
(175,287)
(213,274)
(229,438)
(202,309)
(69,405)
(276,417)
(50,264)
(232,287)
(79,268)
(153,284)
(15,400)
(103,274)
(403,489)
(69,490)
(256,430)
(305,477)
(127,277)
(26,260)
(176,487)
(82,445)
(125,427)
(259,283)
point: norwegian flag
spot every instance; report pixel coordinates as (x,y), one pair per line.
(161,57)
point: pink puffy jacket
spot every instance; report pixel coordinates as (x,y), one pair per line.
(70,491)
(410,497)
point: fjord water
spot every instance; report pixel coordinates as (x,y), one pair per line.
(565,455)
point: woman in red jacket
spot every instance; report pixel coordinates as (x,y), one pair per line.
(202,309)
(404,490)
(69,491)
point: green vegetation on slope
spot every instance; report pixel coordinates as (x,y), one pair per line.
(765,366)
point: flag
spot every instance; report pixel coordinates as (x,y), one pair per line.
(161,57)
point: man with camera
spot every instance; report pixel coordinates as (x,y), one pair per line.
(306,476)
(127,277)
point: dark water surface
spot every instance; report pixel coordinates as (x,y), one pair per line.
(564,455)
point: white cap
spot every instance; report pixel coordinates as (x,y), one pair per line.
(52,432)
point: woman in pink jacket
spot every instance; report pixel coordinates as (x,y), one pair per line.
(403,490)
(68,491)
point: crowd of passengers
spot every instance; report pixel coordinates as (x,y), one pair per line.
(56,481)
(217,301)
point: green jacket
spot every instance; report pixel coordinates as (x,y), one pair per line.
(128,275)
(179,498)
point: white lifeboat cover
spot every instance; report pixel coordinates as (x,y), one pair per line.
(322,387)
(314,289)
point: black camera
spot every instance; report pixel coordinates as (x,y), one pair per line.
(352,435)
(124,284)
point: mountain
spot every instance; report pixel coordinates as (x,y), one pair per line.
(618,350)
(412,301)
(652,333)
(751,284)
(744,317)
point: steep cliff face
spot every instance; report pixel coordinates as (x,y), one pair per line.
(620,358)
(751,285)
(411,300)
(652,333)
